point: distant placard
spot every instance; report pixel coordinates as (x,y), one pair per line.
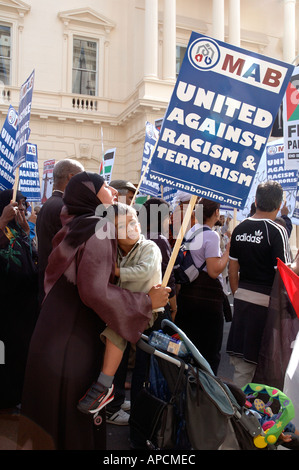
(7,149)
(24,112)
(291,122)
(29,183)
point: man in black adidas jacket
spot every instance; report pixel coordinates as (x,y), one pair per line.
(256,243)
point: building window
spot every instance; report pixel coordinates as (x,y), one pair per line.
(85,71)
(5,54)
(180,52)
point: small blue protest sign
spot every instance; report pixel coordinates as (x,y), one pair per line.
(7,149)
(218,120)
(24,112)
(151,135)
(29,183)
(275,158)
(277,171)
(167,193)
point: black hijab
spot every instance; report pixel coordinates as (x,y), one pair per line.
(5,198)
(81,201)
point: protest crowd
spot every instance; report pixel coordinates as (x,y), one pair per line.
(113,308)
(81,282)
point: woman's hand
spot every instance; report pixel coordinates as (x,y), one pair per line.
(8,214)
(159,296)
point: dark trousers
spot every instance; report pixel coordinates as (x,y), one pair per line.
(200,316)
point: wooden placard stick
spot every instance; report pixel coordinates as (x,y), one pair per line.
(183,228)
(15,185)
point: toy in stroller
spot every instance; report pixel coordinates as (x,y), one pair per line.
(275,414)
(183,405)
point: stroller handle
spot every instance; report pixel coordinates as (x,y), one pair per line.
(142,344)
(146,347)
(192,348)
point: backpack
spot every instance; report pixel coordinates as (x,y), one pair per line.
(184,268)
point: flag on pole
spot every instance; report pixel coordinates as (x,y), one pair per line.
(101,169)
(107,163)
(291,381)
(280,330)
(291,283)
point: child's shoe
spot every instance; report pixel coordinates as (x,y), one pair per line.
(95,398)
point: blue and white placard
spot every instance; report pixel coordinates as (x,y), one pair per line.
(29,183)
(218,120)
(7,149)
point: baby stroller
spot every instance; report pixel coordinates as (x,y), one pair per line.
(183,405)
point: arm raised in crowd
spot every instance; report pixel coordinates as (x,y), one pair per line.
(215,265)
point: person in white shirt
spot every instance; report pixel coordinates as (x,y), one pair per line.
(200,304)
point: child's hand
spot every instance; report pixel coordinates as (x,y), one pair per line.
(117,273)
(285,437)
(21,219)
(284,210)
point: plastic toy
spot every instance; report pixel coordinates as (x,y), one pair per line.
(273,427)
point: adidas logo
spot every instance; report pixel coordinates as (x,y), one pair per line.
(256,238)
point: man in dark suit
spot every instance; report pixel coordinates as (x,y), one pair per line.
(48,221)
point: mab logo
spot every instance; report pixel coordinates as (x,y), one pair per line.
(204,54)
(256,238)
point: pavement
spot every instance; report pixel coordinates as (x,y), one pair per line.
(117,436)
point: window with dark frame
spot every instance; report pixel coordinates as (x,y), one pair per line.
(84,76)
(180,52)
(5,54)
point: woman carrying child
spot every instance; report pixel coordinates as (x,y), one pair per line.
(81,299)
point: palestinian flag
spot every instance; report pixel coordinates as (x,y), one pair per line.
(281,328)
(292,100)
(106,166)
(108,161)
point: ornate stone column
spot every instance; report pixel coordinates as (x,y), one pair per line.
(218,20)
(169,40)
(151,39)
(234,23)
(289,31)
